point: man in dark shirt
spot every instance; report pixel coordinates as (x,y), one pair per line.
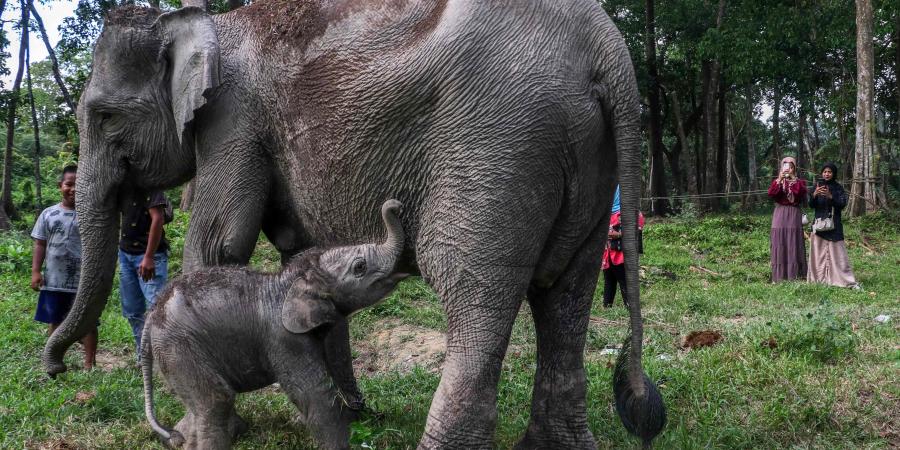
(143,258)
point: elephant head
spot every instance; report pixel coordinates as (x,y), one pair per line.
(150,74)
(344,280)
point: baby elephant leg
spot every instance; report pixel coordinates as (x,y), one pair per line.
(210,420)
(211,427)
(324,413)
(185,426)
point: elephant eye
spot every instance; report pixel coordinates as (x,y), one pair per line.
(359,267)
(104,118)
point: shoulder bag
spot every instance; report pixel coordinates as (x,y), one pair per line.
(824,223)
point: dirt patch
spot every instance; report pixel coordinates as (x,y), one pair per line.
(54,444)
(394,346)
(108,361)
(699,339)
(736,320)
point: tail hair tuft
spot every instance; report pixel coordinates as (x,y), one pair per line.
(645,416)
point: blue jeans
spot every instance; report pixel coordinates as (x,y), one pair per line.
(138,295)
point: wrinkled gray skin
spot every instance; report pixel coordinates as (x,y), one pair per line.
(501,125)
(220,331)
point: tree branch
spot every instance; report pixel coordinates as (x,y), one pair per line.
(52,54)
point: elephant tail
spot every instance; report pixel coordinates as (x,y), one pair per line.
(170,438)
(642,415)
(638,401)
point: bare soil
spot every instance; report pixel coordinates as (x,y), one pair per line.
(699,339)
(108,361)
(397,347)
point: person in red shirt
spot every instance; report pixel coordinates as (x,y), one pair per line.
(787,244)
(614,260)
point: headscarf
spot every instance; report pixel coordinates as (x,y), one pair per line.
(789,182)
(616,206)
(833,167)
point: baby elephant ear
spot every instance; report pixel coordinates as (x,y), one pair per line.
(304,310)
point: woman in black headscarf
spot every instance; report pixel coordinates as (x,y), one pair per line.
(828,259)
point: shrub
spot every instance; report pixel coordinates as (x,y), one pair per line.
(15,252)
(820,334)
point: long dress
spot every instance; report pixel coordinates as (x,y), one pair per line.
(787,244)
(829,262)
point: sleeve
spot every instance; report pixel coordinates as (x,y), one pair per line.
(775,190)
(157,198)
(640,221)
(810,200)
(801,189)
(40,230)
(614,219)
(839,197)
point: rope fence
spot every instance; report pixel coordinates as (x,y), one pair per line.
(748,193)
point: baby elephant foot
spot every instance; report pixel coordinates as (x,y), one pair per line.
(236,426)
(183,432)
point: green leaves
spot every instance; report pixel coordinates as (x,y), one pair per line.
(15,253)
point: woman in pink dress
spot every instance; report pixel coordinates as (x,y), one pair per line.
(788,248)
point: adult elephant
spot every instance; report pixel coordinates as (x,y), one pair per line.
(500,125)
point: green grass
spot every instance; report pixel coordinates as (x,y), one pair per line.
(829,382)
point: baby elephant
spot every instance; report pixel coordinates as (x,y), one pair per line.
(221,331)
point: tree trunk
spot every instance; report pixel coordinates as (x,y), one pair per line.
(660,204)
(53,62)
(814,124)
(722,146)
(679,159)
(695,183)
(776,127)
(187,195)
(863,189)
(844,157)
(38,199)
(711,120)
(751,149)
(729,153)
(6,196)
(803,161)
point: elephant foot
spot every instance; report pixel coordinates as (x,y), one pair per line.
(363,412)
(236,426)
(185,432)
(561,437)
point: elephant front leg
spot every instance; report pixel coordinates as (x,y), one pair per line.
(227,215)
(326,417)
(340,364)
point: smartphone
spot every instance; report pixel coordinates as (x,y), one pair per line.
(820,182)
(786,167)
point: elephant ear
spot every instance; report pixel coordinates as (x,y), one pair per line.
(305,310)
(191,50)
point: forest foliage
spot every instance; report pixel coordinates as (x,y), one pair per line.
(730,85)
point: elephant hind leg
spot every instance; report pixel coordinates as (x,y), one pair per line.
(480,262)
(210,421)
(561,314)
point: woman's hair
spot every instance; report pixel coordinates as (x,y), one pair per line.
(833,167)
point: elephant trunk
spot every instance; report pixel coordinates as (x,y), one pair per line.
(389,252)
(96,206)
(638,401)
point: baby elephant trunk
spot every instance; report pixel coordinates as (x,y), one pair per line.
(389,252)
